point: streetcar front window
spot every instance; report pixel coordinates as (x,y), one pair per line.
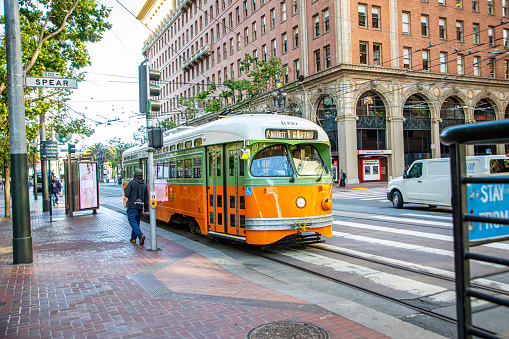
(271,162)
(307,160)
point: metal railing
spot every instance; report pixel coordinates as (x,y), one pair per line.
(474,220)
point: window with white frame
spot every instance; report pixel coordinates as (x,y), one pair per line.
(246,36)
(477,65)
(296,37)
(264,25)
(295,7)
(375,17)
(326,50)
(264,52)
(316,25)
(506,38)
(459,30)
(443,62)
(326,23)
(407,57)
(424,25)
(491,65)
(318,64)
(505,8)
(475,34)
(506,70)
(255,32)
(475,5)
(405,22)
(441,2)
(460,60)
(459,4)
(296,68)
(442,28)
(272,18)
(377,54)
(491,7)
(362,13)
(284,40)
(283,11)
(363,53)
(426,64)
(274,49)
(491,36)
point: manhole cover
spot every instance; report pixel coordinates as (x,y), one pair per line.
(288,330)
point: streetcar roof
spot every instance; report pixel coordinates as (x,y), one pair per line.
(239,128)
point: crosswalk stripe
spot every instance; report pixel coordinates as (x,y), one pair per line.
(395,282)
(412,233)
(422,268)
(408,220)
(444,217)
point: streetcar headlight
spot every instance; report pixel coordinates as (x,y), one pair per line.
(301,202)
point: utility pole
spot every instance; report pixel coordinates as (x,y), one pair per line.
(21,233)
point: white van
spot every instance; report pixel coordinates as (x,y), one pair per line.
(428,181)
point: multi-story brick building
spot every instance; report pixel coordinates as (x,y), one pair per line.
(383,77)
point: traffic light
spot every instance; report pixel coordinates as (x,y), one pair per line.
(71,148)
(148,90)
(63,138)
(155,137)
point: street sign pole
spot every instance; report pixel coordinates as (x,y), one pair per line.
(44,167)
(21,233)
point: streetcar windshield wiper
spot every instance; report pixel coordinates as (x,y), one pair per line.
(320,178)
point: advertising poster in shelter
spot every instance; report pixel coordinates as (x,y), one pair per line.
(88,186)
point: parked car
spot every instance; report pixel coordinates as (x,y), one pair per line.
(428,181)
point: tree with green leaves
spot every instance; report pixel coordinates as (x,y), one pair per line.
(116,148)
(54,35)
(261,76)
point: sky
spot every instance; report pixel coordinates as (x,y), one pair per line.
(108,97)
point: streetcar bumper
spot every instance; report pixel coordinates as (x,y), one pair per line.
(303,224)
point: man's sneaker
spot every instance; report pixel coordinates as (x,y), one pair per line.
(142,239)
(133,241)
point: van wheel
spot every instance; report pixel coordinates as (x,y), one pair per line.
(432,206)
(397,199)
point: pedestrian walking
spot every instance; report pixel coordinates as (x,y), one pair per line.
(136,193)
(342,177)
(55,190)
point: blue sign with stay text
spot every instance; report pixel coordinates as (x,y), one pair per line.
(489,200)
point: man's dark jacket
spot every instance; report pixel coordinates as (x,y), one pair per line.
(137,194)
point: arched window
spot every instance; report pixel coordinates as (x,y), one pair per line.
(326,108)
(416,107)
(370,104)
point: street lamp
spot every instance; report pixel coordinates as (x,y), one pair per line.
(279,97)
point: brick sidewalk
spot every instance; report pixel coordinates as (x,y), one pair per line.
(88,281)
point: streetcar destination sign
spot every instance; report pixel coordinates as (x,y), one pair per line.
(291,134)
(51,82)
(489,200)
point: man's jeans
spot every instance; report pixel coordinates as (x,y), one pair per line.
(134,217)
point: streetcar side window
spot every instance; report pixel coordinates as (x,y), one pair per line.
(197,168)
(172,169)
(188,168)
(307,160)
(180,168)
(165,170)
(271,162)
(231,163)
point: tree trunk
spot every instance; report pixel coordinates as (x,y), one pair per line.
(7,187)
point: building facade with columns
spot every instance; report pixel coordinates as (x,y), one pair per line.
(383,78)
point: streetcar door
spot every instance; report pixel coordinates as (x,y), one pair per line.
(216,188)
(236,209)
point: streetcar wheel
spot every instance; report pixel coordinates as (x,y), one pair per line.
(193,227)
(397,199)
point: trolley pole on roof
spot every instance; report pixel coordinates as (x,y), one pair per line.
(147,106)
